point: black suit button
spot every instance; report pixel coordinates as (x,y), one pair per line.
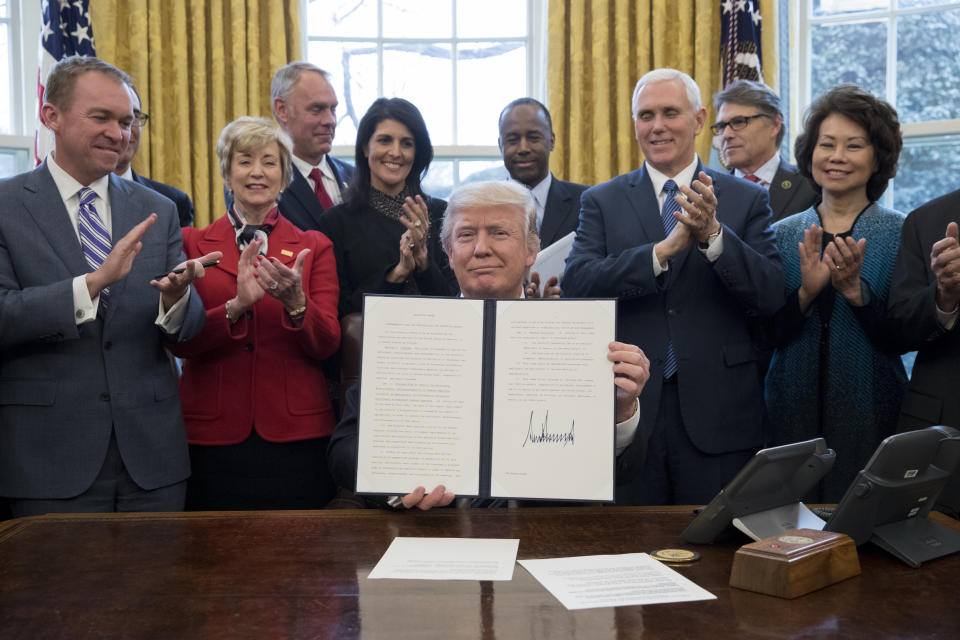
(107,345)
(105,396)
(249,313)
(249,346)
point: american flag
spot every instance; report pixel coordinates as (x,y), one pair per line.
(66,32)
(740,40)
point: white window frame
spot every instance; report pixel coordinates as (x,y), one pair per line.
(913,132)
(25,23)
(536,80)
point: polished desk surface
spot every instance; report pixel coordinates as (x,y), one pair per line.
(303,575)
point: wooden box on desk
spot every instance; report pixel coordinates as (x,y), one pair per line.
(795,563)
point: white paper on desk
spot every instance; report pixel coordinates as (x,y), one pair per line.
(552,260)
(553,410)
(420,400)
(448,559)
(585,582)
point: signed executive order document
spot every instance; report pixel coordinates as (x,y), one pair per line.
(505,399)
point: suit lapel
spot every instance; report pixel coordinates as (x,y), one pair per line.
(305,198)
(780,197)
(44,205)
(641,197)
(220,236)
(284,243)
(126,211)
(335,166)
(555,212)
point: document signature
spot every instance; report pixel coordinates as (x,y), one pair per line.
(545,436)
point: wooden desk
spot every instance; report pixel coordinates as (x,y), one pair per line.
(303,575)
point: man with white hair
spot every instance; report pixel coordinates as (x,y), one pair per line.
(490,236)
(690,255)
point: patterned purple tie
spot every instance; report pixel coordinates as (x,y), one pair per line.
(94,237)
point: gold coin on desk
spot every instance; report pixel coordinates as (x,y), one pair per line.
(675,556)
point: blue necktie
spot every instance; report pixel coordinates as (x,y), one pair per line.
(670,205)
(94,237)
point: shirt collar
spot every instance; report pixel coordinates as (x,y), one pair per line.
(128,174)
(541,189)
(305,167)
(68,186)
(685,177)
(766,172)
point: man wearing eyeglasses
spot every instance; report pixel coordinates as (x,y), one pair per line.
(124,170)
(750,126)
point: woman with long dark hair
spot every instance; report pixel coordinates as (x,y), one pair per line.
(386,233)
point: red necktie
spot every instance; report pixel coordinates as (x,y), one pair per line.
(322,195)
(758,180)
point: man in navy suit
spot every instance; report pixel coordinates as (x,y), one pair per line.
(124,170)
(305,106)
(750,126)
(526,140)
(690,255)
(89,412)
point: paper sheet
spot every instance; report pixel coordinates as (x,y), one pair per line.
(585,582)
(553,409)
(420,399)
(552,260)
(448,559)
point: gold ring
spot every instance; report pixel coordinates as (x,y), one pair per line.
(273,286)
(417,223)
(412,245)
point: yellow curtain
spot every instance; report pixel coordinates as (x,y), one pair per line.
(197,66)
(598,49)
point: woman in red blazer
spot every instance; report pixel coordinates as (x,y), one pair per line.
(254,396)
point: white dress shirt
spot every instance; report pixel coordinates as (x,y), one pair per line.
(330,182)
(766,172)
(85,307)
(685,177)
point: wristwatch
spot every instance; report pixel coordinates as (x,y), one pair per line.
(710,239)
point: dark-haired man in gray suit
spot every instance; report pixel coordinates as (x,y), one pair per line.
(750,126)
(89,413)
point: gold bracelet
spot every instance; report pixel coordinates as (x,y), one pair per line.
(298,312)
(226,307)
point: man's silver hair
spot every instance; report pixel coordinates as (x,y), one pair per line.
(492,193)
(287,76)
(661,75)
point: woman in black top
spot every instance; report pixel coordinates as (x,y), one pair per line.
(386,233)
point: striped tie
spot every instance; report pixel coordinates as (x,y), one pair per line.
(93,236)
(670,205)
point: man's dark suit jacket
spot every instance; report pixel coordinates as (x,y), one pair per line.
(933,393)
(64,388)
(790,192)
(702,307)
(182,200)
(561,212)
(299,203)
